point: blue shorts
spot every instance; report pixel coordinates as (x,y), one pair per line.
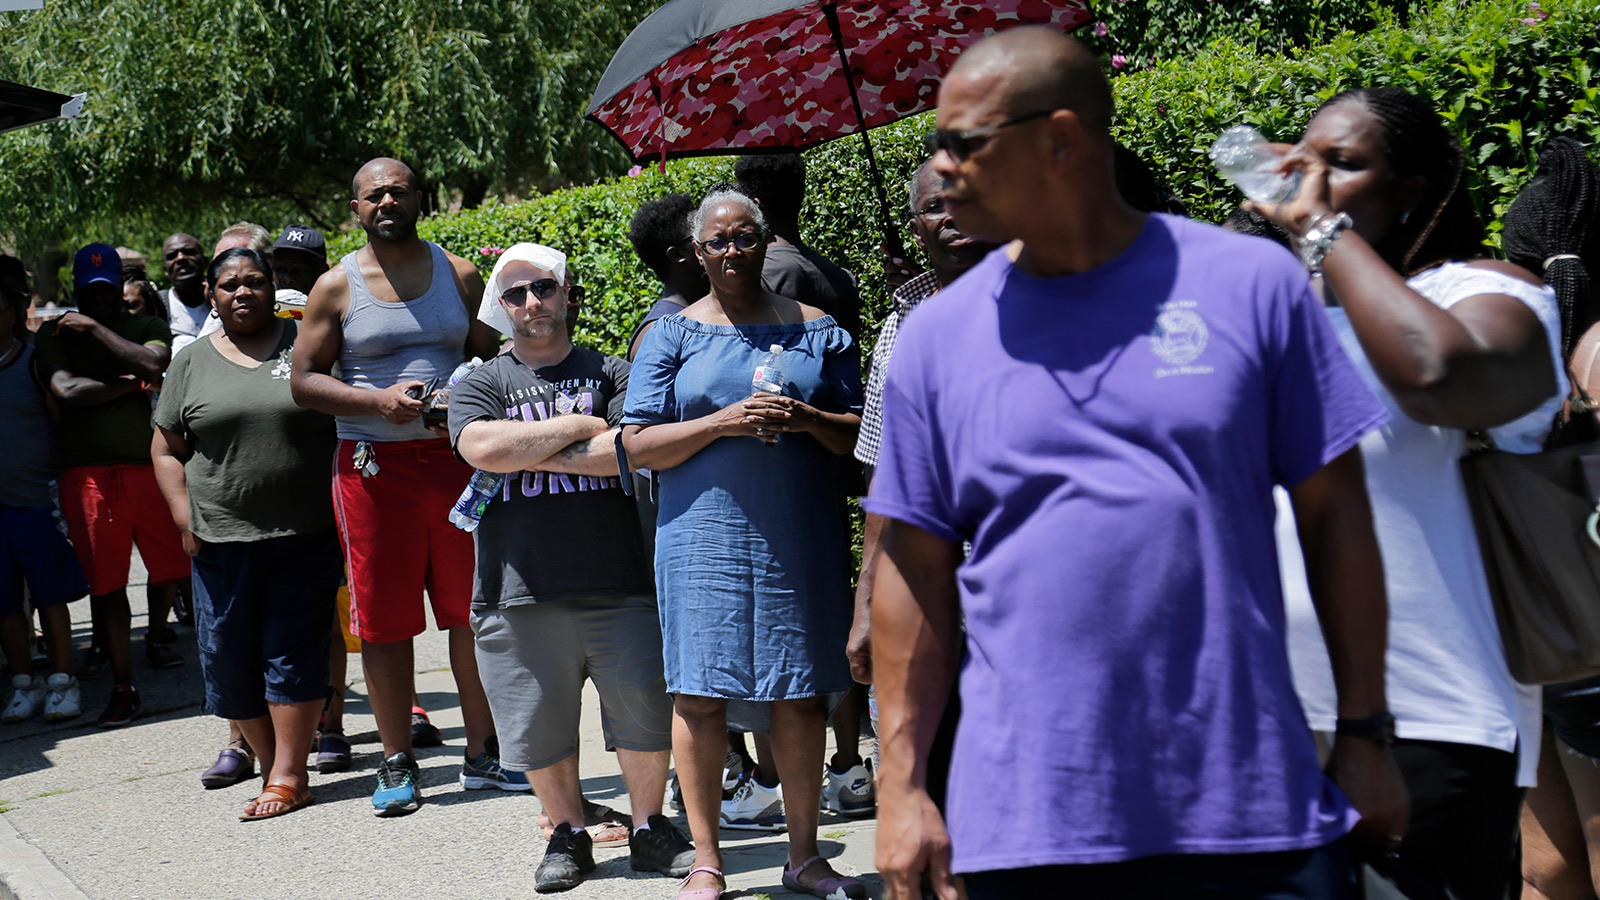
(34,549)
(261,612)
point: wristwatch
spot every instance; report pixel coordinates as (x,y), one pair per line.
(1378,728)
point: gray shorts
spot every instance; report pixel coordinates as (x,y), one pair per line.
(533,659)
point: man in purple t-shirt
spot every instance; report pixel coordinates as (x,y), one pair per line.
(1102,408)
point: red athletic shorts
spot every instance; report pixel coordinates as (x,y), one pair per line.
(110,508)
(398,538)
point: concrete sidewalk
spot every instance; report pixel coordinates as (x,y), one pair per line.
(120,814)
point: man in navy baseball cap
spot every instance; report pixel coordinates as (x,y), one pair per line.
(96,361)
(96,263)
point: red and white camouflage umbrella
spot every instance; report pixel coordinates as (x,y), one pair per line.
(701,77)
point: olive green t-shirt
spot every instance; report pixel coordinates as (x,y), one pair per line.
(114,433)
(262,467)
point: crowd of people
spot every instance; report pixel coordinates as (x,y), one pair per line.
(1167,555)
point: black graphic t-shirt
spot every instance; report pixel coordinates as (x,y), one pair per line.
(549,536)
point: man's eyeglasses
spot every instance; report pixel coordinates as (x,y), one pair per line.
(544,289)
(962,144)
(933,211)
(743,243)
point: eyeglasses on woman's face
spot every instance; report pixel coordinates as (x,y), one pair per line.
(544,289)
(743,243)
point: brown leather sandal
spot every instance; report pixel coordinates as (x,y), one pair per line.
(278,793)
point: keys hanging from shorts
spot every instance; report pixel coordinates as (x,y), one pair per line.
(366,460)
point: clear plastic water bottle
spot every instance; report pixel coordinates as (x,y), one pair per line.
(468,511)
(769,372)
(1243,156)
(436,408)
(462,370)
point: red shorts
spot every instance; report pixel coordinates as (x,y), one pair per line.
(398,538)
(109,509)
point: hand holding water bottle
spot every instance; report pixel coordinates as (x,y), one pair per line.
(1244,157)
(1313,199)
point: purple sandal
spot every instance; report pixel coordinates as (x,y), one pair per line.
(233,765)
(687,893)
(834,887)
(333,753)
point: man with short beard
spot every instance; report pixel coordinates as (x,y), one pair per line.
(398,315)
(187,309)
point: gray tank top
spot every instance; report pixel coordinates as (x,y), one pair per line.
(387,343)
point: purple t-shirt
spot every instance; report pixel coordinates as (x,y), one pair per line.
(1108,442)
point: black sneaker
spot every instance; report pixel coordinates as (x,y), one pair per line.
(660,847)
(423,732)
(95,663)
(567,858)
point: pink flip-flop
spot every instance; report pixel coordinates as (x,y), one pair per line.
(834,887)
(687,893)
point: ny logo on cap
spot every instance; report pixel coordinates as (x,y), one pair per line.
(96,259)
(296,236)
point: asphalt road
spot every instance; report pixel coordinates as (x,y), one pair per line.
(120,814)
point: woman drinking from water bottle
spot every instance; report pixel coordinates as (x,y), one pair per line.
(752,557)
(248,476)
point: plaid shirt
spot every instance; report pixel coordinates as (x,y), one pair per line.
(906,298)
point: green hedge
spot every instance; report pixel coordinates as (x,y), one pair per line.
(1508,74)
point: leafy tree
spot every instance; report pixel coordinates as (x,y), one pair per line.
(201,112)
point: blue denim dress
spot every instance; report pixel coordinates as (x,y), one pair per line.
(752,551)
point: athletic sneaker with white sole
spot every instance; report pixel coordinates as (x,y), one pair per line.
(487,772)
(732,772)
(61,700)
(754,807)
(25,700)
(850,793)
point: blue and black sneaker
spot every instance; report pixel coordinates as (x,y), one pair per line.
(486,772)
(399,786)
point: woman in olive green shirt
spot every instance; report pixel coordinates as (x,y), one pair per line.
(247,475)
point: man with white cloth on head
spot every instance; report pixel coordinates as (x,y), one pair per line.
(548,616)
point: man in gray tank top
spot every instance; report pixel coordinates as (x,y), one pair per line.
(398,315)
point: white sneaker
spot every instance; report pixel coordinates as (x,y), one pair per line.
(27,696)
(62,702)
(732,771)
(850,793)
(754,807)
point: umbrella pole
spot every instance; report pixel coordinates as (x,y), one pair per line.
(891,234)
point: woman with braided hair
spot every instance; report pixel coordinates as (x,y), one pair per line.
(1553,227)
(1451,342)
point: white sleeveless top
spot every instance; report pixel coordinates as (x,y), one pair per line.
(1447,675)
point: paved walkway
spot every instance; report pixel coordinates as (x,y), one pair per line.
(120,814)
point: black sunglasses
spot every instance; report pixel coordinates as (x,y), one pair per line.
(743,243)
(544,289)
(962,144)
